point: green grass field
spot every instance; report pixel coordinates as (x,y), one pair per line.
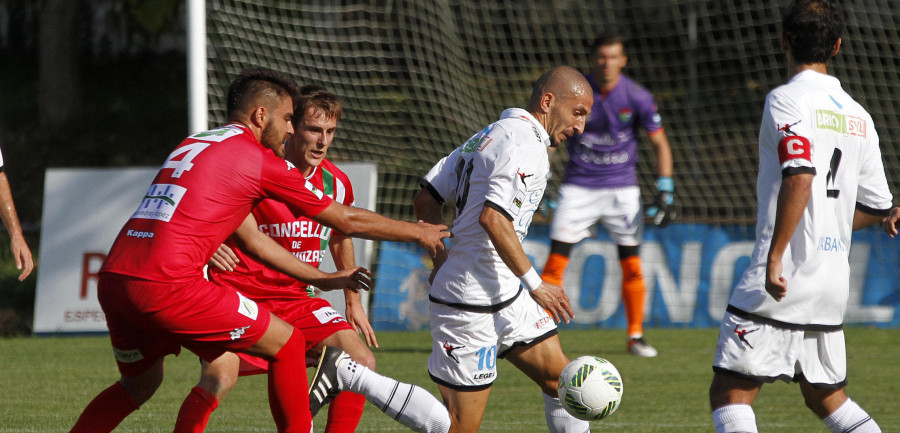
(46,382)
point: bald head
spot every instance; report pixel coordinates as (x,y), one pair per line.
(561,101)
(564,82)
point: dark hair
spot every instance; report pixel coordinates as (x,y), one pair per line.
(607,38)
(251,89)
(319,98)
(812,27)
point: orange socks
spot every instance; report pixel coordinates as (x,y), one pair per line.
(555,268)
(633,292)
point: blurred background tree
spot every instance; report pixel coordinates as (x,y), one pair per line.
(83,83)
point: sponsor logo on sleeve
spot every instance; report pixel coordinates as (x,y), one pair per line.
(160,202)
(794,147)
(840,123)
(217,135)
(238,332)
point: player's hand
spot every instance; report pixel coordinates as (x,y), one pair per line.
(358,319)
(431,237)
(554,300)
(22,255)
(356,278)
(661,211)
(224,258)
(776,284)
(889,223)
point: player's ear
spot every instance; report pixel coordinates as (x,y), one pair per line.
(837,47)
(784,43)
(547,100)
(258,116)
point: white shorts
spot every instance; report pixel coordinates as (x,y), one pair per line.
(466,344)
(580,208)
(764,352)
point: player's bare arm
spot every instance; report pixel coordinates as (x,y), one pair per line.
(663,151)
(20,251)
(341,247)
(862,219)
(889,223)
(792,200)
(264,249)
(503,236)
(361,223)
(430,211)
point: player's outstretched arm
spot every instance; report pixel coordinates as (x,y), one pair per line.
(792,200)
(265,250)
(506,242)
(889,223)
(361,223)
(20,251)
(429,210)
(341,247)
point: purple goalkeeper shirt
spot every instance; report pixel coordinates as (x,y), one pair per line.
(605,155)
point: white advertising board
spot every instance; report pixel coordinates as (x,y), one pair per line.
(85,208)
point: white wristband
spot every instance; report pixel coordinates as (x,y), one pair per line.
(531,280)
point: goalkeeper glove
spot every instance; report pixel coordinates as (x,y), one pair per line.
(661,210)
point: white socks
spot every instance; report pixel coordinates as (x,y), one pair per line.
(559,421)
(735,418)
(850,417)
(411,405)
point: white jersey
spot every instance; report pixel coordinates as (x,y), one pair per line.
(810,125)
(504,166)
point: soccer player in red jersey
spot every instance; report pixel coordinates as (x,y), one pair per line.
(151,285)
(318,113)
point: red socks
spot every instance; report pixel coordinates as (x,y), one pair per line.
(344,412)
(288,387)
(105,411)
(195,411)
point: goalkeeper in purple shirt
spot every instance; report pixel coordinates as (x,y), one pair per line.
(601,186)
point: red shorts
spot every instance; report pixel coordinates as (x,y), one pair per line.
(314,317)
(149,320)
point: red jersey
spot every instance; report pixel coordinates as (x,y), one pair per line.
(202,193)
(303,237)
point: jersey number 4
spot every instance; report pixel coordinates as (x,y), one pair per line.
(184,164)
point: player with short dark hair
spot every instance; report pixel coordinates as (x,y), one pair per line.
(151,286)
(601,185)
(318,112)
(820,177)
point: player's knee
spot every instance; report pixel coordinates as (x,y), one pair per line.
(217,383)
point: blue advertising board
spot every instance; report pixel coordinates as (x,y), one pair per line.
(690,270)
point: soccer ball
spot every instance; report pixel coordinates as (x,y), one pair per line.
(590,388)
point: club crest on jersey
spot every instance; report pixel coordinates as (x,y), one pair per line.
(523,176)
(625,115)
(160,202)
(312,188)
(742,334)
(517,201)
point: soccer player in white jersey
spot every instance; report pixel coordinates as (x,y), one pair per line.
(487,301)
(478,311)
(820,177)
